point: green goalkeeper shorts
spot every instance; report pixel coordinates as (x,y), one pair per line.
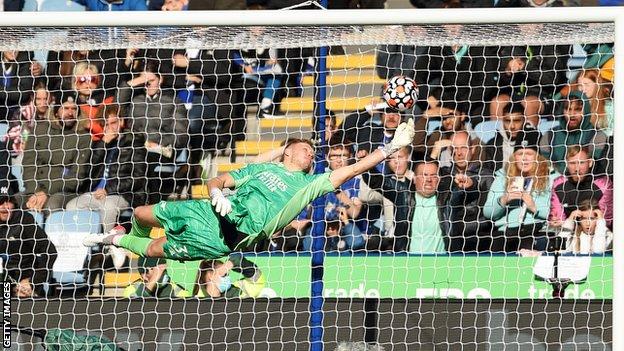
(193,230)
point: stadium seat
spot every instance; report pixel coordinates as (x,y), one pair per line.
(72,271)
(486,131)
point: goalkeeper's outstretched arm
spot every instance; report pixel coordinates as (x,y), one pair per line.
(402,137)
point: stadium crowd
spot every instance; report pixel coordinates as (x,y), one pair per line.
(512,147)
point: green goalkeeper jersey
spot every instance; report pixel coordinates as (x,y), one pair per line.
(268,197)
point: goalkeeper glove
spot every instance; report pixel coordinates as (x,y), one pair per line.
(221,204)
(402,137)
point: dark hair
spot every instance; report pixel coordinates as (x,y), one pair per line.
(512,108)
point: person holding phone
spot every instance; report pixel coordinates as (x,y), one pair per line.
(519,199)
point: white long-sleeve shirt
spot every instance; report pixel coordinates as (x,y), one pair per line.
(584,243)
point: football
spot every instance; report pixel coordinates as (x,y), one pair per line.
(400,93)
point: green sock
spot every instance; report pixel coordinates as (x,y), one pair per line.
(135,244)
(139,230)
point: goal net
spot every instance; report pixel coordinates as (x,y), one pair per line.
(493,230)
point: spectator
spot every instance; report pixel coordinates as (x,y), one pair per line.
(215,280)
(377,133)
(587,230)
(260,67)
(118,171)
(161,122)
(598,90)
(30,253)
(580,184)
(112,66)
(574,129)
(342,207)
(457,73)
(427,235)
(23,122)
(19,71)
(399,189)
(464,186)
(530,75)
(157,279)
(519,198)
(497,152)
(90,98)
(113,5)
(214,98)
(435,144)
(361,119)
(57,159)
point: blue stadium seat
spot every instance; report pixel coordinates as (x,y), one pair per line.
(432,125)
(487,130)
(66,230)
(38,216)
(4,128)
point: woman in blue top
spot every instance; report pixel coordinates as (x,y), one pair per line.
(518,201)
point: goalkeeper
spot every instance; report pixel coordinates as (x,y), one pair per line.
(268,196)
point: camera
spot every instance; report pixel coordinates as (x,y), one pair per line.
(556,243)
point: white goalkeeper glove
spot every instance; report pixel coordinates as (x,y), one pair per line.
(221,204)
(402,137)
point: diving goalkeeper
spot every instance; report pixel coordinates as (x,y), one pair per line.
(268,196)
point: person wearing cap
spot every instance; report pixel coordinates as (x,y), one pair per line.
(575,128)
(57,159)
(519,199)
(30,254)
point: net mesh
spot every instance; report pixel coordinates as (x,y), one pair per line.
(97,122)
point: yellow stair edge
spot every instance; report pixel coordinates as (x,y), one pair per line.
(255,147)
(293,105)
(350,79)
(122,279)
(286,123)
(228,167)
(350,61)
(200,192)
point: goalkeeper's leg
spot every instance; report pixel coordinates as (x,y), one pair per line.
(137,240)
(192,231)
